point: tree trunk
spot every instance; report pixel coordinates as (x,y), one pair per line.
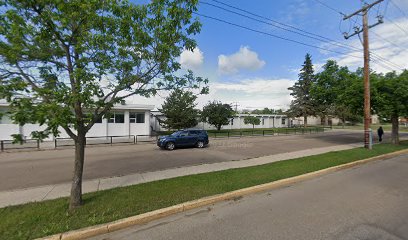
(343,121)
(394,131)
(218,127)
(304,121)
(76,188)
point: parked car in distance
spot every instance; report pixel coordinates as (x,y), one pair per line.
(184,138)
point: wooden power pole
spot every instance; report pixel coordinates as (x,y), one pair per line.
(367,105)
(235,104)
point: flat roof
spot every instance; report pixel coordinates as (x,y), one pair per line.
(115,107)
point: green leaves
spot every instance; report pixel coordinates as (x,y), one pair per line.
(179,110)
(252,120)
(302,105)
(73,60)
(391,94)
(217,114)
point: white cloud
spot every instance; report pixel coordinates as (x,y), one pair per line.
(256,93)
(256,86)
(296,12)
(394,49)
(191,59)
(401,3)
(243,59)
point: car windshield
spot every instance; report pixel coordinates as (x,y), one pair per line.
(175,134)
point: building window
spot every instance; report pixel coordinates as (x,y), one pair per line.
(283,121)
(99,120)
(132,117)
(263,121)
(136,117)
(116,117)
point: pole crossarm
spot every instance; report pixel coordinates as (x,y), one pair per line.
(367,95)
(365,8)
(360,31)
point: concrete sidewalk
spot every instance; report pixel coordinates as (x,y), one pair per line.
(20,196)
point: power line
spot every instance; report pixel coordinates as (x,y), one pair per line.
(319,38)
(386,7)
(390,64)
(384,65)
(374,54)
(272,35)
(397,25)
(396,6)
(378,59)
(367,102)
(274,21)
(327,40)
(388,41)
(291,40)
(329,7)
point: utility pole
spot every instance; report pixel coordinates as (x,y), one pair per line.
(235,104)
(367,104)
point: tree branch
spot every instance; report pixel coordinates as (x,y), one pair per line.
(70,133)
(27,78)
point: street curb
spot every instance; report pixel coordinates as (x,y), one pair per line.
(164,212)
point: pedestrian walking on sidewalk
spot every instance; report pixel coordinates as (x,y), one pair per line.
(380,133)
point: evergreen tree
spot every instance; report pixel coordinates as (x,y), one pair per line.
(179,110)
(302,105)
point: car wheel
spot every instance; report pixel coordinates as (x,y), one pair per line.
(200,144)
(170,146)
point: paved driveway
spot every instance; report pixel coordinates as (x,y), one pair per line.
(36,168)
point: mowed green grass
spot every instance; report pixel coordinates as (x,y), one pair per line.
(257,131)
(40,219)
(387,127)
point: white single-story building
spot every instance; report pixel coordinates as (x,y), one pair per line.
(237,122)
(125,120)
(328,121)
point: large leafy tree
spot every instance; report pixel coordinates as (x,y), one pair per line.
(330,92)
(303,105)
(217,114)
(69,62)
(179,110)
(323,91)
(252,120)
(267,111)
(391,99)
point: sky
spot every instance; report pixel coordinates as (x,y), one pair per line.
(250,67)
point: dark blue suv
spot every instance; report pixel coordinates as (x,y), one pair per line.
(184,138)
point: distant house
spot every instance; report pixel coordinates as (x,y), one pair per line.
(125,119)
(329,121)
(403,121)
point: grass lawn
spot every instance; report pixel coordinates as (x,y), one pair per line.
(386,127)
(257,131)
(40,219)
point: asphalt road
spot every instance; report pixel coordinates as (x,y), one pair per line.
(37,168)
(363,203)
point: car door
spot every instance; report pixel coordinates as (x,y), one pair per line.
(182,139)
(192,137)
